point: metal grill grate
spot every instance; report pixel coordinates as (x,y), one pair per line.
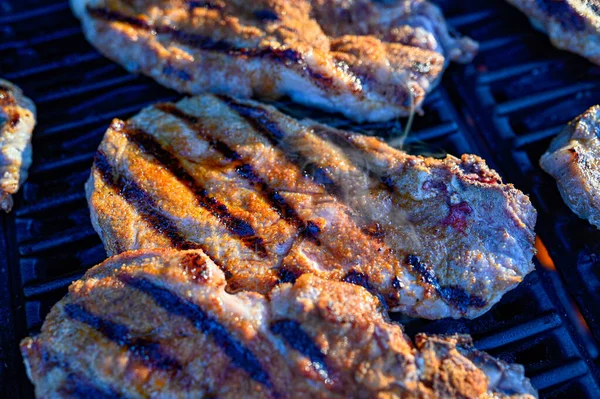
(512,100)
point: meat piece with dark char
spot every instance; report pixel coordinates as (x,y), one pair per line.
(17,120)
(159,323)
(573,159)
(269,198)
(572,25)
(368,60)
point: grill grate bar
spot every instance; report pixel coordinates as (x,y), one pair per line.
(34,13)
(560,375)
(64,238)
(84,89)
(61,34)
(47,204)
(68,61)
(48,287)
(529,329)
(539,98)
(48,167)
(95,119)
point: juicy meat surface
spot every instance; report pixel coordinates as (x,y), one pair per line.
(269,198)
(573,159)
(572,25)
(368,60)
(159,323)
(17,120)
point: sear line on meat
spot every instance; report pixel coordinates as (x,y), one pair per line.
(159,323)
(369,60)
(269,198)
(573,159)
(17,120)
(572,25)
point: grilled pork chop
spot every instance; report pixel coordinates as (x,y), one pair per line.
(369,60)
(572,25)
(269,198)
(17,119)
(573,159)
(159,323)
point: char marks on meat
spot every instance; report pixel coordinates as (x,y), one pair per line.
(141,325)
(573,159)
(17,120)
(368,60)
(572,25)
(269,198)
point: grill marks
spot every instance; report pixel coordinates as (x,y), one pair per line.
(247,172)
(236,226)
(146,351)
(295,336)
(259,119)
(239,355)
(77,385)
(289,58)
(455,296)
(143,202)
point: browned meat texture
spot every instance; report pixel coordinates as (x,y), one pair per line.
(17,119)
(365,59)
(159,323)
(268,198)
(572,25)
(573,159)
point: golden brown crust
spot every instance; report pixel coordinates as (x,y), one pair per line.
(366,70)
(159,323)
(270,198)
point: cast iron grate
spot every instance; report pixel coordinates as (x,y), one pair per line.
(48,240)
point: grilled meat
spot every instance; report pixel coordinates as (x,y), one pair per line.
(17,119)
(159,323)
(572,25)
(269,198)
(573,159)
(365,59)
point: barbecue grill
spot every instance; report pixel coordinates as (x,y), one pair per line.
(505,106)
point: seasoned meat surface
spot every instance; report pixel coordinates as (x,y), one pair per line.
(572,25)
(573,159)
(369,60)
(159,323)
(17,119)
(269,198)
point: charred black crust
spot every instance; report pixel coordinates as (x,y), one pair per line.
(289,57)
(358,278)
(452,295)
(288,276)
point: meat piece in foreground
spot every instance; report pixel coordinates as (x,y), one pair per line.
(369,60)
(573,159)
(159,323)
(572,25)
(269,198)
(17,120)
